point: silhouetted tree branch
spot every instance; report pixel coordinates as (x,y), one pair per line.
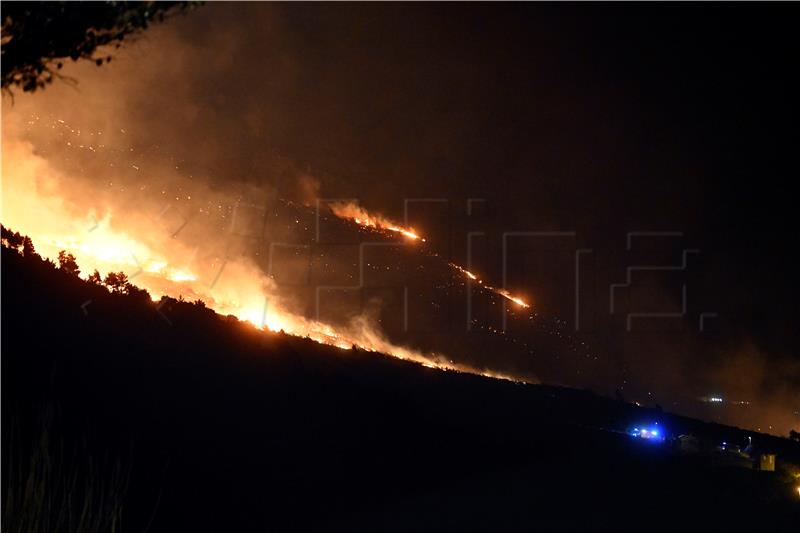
(117,282)
(12,239)
(95,278)
(38,36)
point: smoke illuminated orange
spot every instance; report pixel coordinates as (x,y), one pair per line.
(164,266)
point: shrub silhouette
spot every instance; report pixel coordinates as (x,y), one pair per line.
(95,278)
(11,239)
(117,282)
(67,263)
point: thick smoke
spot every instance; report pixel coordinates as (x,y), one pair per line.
(137,169)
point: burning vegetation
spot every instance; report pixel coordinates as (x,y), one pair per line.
(359,335)
(359,215)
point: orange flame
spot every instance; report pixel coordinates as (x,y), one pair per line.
(351,211)
(359,215)
(517,300)
(163,266)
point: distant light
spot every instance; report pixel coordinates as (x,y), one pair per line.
(647,434)
(715,399)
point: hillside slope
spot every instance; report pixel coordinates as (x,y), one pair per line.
(226,428)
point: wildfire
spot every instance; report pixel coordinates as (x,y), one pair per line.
(243,292)
(407,232)
(466,272)
(517,300)
(359,215)
(145,249)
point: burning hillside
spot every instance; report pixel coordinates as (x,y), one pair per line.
(169,252)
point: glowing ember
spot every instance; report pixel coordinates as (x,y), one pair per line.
(504,293)
(466,272)
(408,233)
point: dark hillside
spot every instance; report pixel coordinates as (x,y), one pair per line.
(225,428)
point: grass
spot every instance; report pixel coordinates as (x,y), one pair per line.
(53,485)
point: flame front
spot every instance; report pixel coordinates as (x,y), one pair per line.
(359,215)
(351,211)
(165,266)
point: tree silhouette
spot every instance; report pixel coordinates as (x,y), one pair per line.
(67,263)
(95,278)
(117,282)
(27,247)
(11,239)
(38,36)
(136,293)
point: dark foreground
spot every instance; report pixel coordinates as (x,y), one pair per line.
(195,422)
